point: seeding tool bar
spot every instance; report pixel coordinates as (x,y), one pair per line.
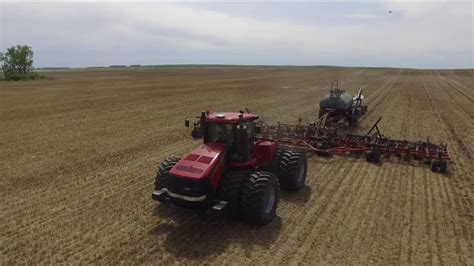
(322,139)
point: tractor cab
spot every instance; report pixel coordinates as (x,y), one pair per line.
(235,130)
(229,139)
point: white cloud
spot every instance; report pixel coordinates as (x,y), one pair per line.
(418,30)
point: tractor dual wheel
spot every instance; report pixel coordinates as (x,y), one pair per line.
(230,190)
(275,165)
(439,166)
(260,196)
(293,170)
(163,173)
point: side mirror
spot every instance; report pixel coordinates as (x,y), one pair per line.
(186,123)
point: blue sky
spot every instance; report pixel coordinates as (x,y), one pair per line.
(421,34)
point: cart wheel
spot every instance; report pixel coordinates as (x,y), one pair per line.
(434,165)
(439,166)
(323,146)
(443,165)
(406,157)
(373,157)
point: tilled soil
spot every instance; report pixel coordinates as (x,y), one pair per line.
(79,152)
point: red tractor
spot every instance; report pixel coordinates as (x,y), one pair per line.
(232,171)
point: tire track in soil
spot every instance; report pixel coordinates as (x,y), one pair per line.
(406,240)
(431,220)
(370,230)
(457,101)
(363,199)
(408,246)
(381,95)
(326,212)
(450,118)
(459,228)
(466,188)
(413,245)
(449,223)
(307,217)
(459,87)
(303,215)
(452,165)
(431,213)
(382,244)
(356,200)
(337,218)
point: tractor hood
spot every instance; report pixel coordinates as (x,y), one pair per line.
(200,162)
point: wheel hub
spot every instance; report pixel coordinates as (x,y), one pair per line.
(301,170)
(269,199)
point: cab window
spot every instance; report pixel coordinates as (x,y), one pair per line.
(223,133)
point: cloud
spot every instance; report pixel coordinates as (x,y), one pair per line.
(414,35)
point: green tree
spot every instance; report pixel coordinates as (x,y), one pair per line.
(18,63)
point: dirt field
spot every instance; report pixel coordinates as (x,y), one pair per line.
(78,157)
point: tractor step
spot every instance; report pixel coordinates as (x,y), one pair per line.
(219,206)
(160,195)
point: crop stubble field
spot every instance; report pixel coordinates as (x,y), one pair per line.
(79,152)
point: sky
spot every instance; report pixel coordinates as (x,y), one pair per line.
(414,34)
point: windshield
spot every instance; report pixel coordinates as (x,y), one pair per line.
(223,133)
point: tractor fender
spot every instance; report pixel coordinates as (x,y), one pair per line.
(264,152)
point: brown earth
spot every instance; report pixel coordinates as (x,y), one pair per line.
(78,155)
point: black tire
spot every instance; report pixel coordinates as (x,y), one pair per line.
(293,170)
(373,157)
(275,164)
(438,166)
(230,190)
(407,157)
(163,173)
(434,165)
(323,146)
(443,166)
(353,118)
(351,121)
(260,196)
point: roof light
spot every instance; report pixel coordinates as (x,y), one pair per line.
(220,115)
